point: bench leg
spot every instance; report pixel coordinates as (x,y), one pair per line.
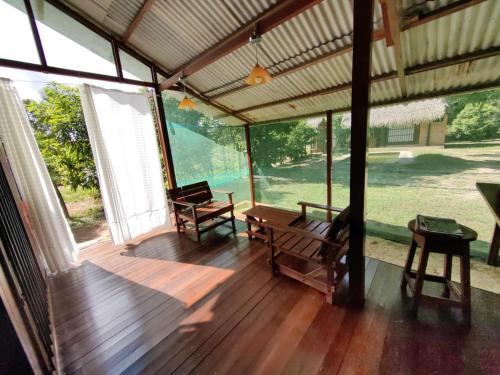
(197,230)
(233,222)
(329,278)
(177,225)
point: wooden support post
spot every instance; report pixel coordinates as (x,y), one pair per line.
(362,35)
(250,165)
(329,155)
(164,140)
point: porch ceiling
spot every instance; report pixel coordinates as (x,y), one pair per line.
(310,55)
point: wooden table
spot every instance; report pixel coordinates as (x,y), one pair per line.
(491,194)
(259,214)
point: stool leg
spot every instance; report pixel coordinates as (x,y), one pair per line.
(409,262)
(465,281)
(419,281)
(448,261)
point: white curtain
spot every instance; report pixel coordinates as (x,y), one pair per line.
(124,144)
(36,188)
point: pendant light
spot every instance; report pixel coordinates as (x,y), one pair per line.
(259,74)
(186,103)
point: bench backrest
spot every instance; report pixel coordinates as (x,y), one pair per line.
(340,226)
(194,193)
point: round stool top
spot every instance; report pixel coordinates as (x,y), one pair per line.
(469,234)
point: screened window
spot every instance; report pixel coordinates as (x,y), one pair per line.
(134,69)
(204,149)
(290,163)
(14,22)
(69,44)
(341,162)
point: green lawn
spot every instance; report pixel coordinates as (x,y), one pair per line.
(439,182)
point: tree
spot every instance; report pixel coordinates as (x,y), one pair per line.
(277,143)
(476,122)
(62,137)
(455,104)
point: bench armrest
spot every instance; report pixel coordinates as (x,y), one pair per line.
(222,191)
(319,206)
(229,194)
(185,204)
(301,232)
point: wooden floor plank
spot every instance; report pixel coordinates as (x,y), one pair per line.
(168,304)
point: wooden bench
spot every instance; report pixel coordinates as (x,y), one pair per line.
(194,204)
(310,250)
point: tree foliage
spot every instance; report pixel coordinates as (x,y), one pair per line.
(277,143)
(476,122)
(62,137)
(475,116)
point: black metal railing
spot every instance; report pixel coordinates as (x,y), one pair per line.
(23,272)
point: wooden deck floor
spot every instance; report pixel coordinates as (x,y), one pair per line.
(171,306)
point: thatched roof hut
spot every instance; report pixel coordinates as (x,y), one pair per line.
(403,115)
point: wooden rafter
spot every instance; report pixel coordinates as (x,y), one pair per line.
(137,19)
(275,16)
(438,13)
(490,52)
(391,9)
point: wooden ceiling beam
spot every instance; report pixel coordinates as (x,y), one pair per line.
(392,27)
(329,90)
(148,4)
(218,106)
(438,13)
(273,17)
(437,94)
(490,52)
(377,35)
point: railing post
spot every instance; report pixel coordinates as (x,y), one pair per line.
(329,156)
(362,36)
(250,164)
(36,34)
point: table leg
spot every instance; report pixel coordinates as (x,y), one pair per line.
(448,261)
(419,280)
(495,247)
(409,262)
(465,281)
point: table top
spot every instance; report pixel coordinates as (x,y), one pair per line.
(273,214)
(469,234)
(491,194)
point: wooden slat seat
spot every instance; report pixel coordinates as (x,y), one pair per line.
(194,204)
(207,211)
(310,250)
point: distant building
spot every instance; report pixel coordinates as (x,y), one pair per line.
(417,123)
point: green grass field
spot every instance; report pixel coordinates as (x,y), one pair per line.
(439,182)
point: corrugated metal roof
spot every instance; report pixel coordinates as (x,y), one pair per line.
(173,32)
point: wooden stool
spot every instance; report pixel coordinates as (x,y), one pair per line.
(443,244)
